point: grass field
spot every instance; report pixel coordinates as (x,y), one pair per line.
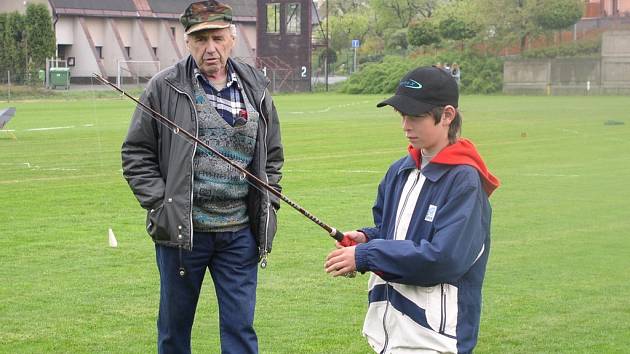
(557,279)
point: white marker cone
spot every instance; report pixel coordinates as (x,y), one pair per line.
(112,239)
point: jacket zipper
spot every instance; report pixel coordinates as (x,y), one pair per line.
(443,310)
(402,209)
(385,318)
(192,164)
(263,262)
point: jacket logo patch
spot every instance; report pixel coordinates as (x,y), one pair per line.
(430,213)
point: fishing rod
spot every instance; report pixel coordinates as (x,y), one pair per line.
(333,232)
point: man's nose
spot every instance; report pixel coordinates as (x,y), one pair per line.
(210,47)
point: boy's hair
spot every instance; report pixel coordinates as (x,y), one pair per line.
(456,125)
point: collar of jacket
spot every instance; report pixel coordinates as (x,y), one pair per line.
(432,171)
(252,80)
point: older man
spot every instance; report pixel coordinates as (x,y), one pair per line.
(201,213)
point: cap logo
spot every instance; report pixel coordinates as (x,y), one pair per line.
(412,84)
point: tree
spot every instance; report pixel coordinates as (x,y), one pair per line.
(422,33)
(400,13)
(458,21)
(13,46)
(40,36)
(341,7)
(507,20)
(343,29)
(558,14)
(396,39)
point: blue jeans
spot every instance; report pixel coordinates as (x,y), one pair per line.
(232,259)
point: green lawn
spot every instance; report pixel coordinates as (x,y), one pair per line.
(557,279)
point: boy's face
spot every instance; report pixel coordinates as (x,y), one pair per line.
(211,49)
(423,133)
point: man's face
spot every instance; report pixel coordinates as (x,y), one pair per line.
(211,49)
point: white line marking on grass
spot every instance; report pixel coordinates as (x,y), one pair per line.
(27,180)
(547,175)
(7,130)
(50,128)
(327,109)
(38,168)
(311,112)
(344,156)
(336,171)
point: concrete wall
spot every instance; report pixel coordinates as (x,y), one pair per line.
(608,74)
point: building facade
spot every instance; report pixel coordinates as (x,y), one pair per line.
(136,38)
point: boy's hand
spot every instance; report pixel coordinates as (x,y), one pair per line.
(341,261)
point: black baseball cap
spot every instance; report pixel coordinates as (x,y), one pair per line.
(423,89)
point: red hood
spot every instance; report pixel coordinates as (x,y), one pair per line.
(463,152)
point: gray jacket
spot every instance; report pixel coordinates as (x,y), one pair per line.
(159,166)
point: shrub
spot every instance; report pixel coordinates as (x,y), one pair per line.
(588,48)
(480,74)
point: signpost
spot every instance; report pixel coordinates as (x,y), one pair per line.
(355,44)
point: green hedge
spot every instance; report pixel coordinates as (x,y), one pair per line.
(480,74)
(585,48)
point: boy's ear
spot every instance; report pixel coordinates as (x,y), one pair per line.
(448,114)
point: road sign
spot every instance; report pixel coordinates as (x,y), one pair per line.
(355,43)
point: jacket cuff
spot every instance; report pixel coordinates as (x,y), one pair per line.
(360,257)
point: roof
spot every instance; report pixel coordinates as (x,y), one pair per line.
(240,8)
(160,8)
(111,5)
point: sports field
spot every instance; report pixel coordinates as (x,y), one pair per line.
(558,276)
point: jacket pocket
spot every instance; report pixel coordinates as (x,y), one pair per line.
(154,229)
(441,308)
(272,227)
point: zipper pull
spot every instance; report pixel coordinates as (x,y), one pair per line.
(263,263)
(181,271)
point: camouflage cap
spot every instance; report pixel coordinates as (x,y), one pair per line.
(204,15)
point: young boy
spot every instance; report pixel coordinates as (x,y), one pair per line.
(429,247)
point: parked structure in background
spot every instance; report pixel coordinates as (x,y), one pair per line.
(284,43)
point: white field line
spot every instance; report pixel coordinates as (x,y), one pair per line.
(547,175)
(28,180)
(334,171)
(50,128)
(327,109)
(29,166)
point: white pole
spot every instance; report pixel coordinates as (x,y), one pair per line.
(9,83)
(354,66)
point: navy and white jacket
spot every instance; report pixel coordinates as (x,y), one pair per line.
(428,253)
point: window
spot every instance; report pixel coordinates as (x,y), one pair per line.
(128,52)
(173,31)
(155,51)
(273,18)
(99,52)
(293,18)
